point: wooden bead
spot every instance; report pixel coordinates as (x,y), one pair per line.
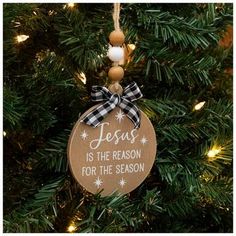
(116,73)
(117,38)
(116,88)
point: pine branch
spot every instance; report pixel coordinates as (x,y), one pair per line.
(218,191)
(172,29)
(53,157)
(13,107)
(38,214)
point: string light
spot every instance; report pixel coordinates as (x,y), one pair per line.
(71,228)
(205,177)
(71,5)
(17,24)
(213,152)
(199,106)
(4,133)
(82,77)
(21,38)
(132,46)
(51,12)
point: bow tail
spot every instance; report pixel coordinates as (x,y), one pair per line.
(98,114)
(131,111)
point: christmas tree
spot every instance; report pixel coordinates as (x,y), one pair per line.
(180,55)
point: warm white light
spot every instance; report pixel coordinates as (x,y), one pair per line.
(82,77)
(205,177)
(70,4)
(21,38)
(199,106)
(51,12)
(132,46)
(71,228)
(4,133)
(213,152)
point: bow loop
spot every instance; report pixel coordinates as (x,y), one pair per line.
(115,98)
(99,93)
(132,92)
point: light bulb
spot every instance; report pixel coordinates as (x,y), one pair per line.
(4,133)
(71,5)
(21,38)
(132,46)
(82,77)
(199,105)
(71,228)
(213,152)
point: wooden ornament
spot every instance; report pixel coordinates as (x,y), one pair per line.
(113,156)
(117,38)
(116,73)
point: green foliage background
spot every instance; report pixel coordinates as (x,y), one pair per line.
(178,62)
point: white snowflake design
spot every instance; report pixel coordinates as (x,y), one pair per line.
(98,182)
(84,135)
(143,140)
(120,116)
(122,182)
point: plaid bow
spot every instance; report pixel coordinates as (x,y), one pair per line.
(124,101)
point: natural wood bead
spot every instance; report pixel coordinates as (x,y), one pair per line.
(117,38)
(116,88)
(116,73)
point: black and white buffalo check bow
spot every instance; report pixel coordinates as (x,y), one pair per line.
(124,101)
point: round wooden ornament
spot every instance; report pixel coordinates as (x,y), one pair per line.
(113,156)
